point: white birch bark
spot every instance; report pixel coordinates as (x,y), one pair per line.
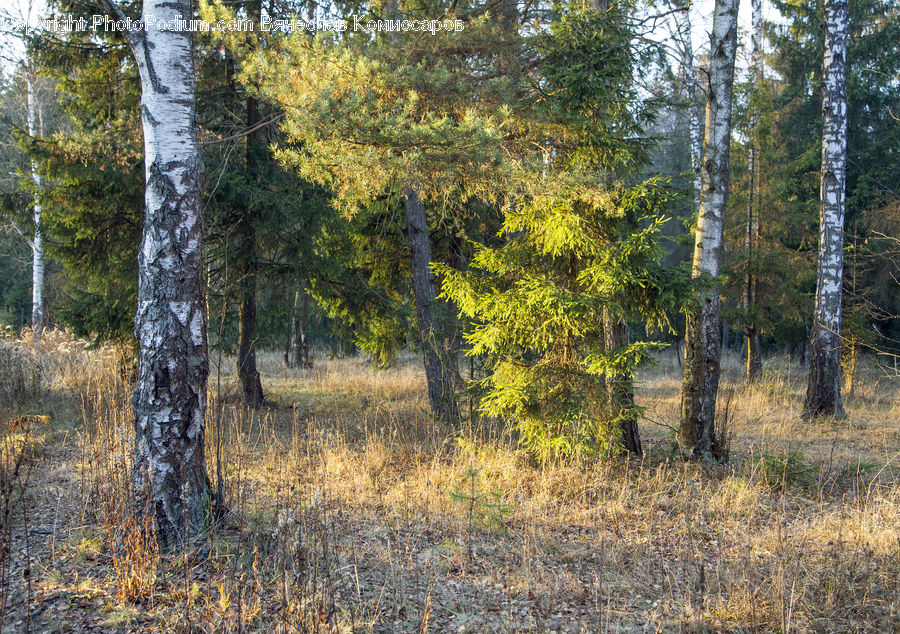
(823,392)
(683,29)
(37,243)
(35,128)
(702,333)
(169,399)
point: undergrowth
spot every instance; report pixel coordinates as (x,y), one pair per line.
(347,508)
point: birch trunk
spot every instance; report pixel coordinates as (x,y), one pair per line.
(823,392)
(438,373)
(702,333)
(169,400)
(683,26)
(37,243)
(751,239)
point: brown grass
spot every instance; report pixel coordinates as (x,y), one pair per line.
(351,509)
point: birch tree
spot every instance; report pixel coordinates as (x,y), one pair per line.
(823,391)
(35,128)
(682,37)
(169,400)
(702,332)
(34,122)
(751,238)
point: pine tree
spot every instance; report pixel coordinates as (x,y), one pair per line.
(574,250)
(370,117)
(247,248)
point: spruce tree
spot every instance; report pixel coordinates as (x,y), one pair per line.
(792,133)
(580,254)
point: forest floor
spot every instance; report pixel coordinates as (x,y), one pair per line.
(350,509)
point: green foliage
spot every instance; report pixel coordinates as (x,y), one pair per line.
(783,261)
(536,303)
(94,177)
(587,97)
(781,471)
(368,114)
(482,506)
(17,192)
(791,130)
(261,219)
(15,278)
(579,241)
(362,281)
(93,206)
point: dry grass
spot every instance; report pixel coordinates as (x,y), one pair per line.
(351,509)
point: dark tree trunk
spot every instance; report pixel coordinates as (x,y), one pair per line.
(726,331)
(453,333)
(702,333)
(251,385)
(620,387)
(305,357)
(298,354)
(823,391)
(754,203)
(438,373)
(754,360)
(248,264)
(169,399)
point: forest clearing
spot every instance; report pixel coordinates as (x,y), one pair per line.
(351,509)
(449,316)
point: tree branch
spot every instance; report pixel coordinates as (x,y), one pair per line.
(132,37)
